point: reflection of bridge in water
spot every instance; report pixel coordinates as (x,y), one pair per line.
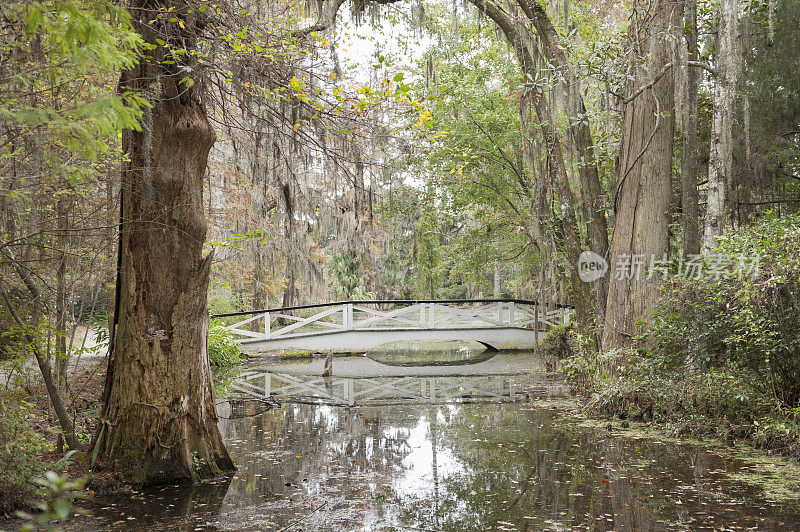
(355,326)
(359,381)
(375,391)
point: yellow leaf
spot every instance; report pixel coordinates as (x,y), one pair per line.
(297,126)
(180,23)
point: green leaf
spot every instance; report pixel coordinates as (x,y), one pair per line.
(61,508)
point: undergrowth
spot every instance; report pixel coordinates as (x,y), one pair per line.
(21,450)
(720,356)
(222,348)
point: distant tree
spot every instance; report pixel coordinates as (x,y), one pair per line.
(59,127)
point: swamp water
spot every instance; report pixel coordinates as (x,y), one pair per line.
(442,448)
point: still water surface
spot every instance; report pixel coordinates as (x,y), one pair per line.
(455,448)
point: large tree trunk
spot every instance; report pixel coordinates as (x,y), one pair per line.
(643,190)
(691,157)
(720,163)
(159,420)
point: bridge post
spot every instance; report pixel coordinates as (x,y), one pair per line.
(431,321)
(347,318)
(511,320)
(349,392)
(266,324)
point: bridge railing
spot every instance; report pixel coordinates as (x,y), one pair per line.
(304,320)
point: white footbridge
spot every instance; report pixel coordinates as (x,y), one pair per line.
(355,326)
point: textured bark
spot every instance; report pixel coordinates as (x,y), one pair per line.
(643,190)
(159,420)
(691,161)
(720,163)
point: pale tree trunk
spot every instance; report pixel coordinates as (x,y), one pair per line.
(720,163)
(645,166)
(497,288)
(690,164)
(159,420)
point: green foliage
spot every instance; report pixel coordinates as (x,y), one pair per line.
(748,324)
(20,450)
(428,258)
(222,300)
(768,140)
(348,282)
(720,358)
(559,340)
(344,271)
(11,339)
(197,462)
(222,349)
(57,494)
(70,46)
(587,370)
(476,208)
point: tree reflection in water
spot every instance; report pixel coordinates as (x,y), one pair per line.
(452,463)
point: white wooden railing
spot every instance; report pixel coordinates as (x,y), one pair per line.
(305,320)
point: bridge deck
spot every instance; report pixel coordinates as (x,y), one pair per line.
(355,326)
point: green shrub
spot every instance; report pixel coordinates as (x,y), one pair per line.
(11,340)
(20,451)
(750,325)
(222,300)
(222,349)
(559,341)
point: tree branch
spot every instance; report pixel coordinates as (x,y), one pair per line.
(646,86)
